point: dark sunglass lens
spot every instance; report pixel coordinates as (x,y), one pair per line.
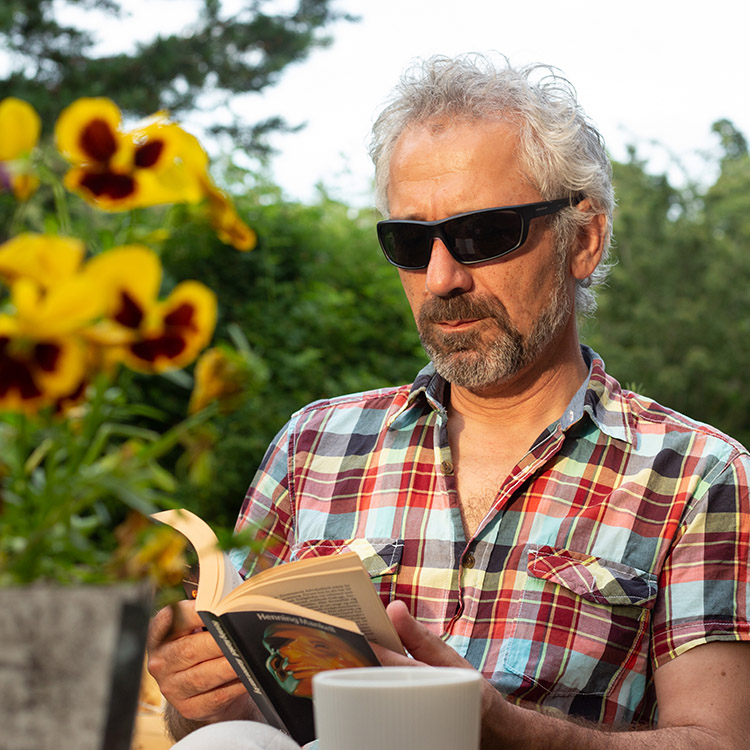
(484,235)
(406,245)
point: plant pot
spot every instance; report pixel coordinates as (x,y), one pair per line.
(70,665)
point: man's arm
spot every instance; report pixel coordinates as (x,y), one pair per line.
(193,675)
(703,698)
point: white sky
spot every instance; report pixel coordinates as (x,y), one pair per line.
(645,70)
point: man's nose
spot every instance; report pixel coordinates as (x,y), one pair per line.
(446,277)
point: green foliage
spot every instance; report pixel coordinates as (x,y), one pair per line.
(675,317)
(53,62)
(67,482)
(319,307)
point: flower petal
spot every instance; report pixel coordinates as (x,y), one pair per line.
(24,185)
(229,228)
(45,258)
(65,308)
(179,329)
(20,127)
(221,374)
(130,274)
(37,373)
(88,131)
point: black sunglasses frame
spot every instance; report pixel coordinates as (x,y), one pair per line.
(436,229)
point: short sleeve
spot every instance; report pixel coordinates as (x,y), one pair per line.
(705,582)
(266,508)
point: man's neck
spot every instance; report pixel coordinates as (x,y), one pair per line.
(535,397)
(490,432)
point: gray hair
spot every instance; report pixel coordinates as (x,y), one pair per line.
(561,152)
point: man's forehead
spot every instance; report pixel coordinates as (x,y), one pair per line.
(450,135)
(440,169)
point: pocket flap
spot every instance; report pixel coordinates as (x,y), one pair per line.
(592,578)
(380,557)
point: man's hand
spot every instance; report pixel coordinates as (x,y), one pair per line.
(427,649)
(702,694)
(192,673)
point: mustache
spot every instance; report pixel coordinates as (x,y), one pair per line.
(462,307)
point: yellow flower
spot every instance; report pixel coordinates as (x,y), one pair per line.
(47,259)
(148,549)
(23,185)
(88,132)
(151,335)
(131,277)
(220,375)
(156,163)
(118,170)
(20,127)
(169,163)
(229,228)
(37,372)
(43,359)
(65,308)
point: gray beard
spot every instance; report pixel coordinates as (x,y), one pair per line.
(477,360)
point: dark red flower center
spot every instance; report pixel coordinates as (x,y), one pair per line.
(172,342)
(17,372)
(148,154)
(130,313)
(98,141)
(168,345)
(181,317)
(47,356)
(109,184)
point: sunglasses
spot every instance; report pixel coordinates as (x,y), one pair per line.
(471,237)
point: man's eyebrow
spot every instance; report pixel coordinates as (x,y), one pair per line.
(407,217)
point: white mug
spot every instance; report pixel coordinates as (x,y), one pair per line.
(398,708)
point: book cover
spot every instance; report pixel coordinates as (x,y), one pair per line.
(278,674)
(287,623)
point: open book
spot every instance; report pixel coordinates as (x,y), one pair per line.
(287,623)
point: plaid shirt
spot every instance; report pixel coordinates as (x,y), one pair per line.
(618,542)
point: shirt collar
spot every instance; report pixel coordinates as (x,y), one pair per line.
(607,404)
(600,397)
(428,389)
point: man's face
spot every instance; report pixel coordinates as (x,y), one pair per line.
(483,324)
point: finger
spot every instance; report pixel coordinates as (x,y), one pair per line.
(420,642)
(173,621)
(224,704)
(200,691)
(388,658)
(183,653)
(198,678)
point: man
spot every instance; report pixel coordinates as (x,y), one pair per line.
(583,547)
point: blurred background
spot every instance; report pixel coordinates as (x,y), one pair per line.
(282,94)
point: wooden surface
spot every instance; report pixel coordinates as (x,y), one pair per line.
(149,731)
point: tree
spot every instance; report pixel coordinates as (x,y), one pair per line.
(53,63)
(674,320)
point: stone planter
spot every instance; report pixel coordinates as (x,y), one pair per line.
(70,665)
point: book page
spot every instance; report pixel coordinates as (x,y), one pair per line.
(344,591)
(217,576)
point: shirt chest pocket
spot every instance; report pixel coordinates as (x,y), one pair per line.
(381,558)
(579,622)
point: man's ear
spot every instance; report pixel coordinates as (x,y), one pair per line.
(589,248)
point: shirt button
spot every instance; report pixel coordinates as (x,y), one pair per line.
(447,467)
(468,561)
